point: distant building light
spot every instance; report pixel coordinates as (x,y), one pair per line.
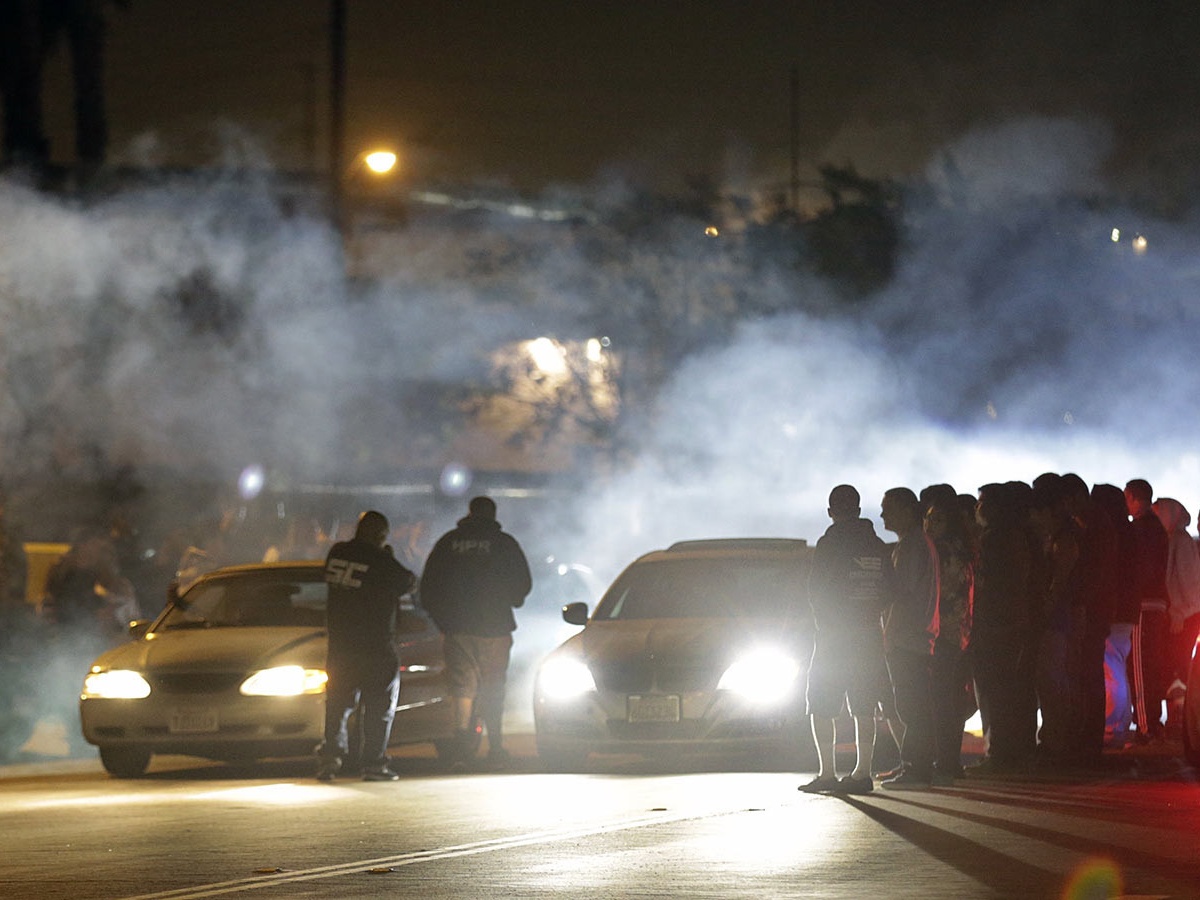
(1116,235)
(455,480)
(251,482)
(1139,244)
(547,356)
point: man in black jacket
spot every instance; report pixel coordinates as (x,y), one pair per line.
(474,577)
(365,585)
(1148,664)
(845,590)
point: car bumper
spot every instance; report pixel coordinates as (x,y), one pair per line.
(707,723)
(219,728)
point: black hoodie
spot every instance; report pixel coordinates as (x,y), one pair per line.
(474,577)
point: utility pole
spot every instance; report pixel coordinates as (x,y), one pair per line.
(337,110)
(794,140)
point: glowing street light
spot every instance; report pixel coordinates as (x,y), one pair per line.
(380,162)
(364,187)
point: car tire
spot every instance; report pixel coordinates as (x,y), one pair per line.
(125,762)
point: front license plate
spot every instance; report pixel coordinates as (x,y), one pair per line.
(658,708)
(193,721)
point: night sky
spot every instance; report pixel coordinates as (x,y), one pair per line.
(535,94)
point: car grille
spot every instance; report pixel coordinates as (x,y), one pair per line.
(635,676)
(196,682)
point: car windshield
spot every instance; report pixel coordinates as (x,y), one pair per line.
(256,599)
(705,588)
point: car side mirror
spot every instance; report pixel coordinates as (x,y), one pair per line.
(575,613)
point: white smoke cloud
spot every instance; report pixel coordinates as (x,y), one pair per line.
(1016,338)
(1014,330)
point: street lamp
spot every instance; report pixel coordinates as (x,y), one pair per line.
(380,162)
(367,192)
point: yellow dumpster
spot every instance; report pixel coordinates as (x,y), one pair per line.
(39,557)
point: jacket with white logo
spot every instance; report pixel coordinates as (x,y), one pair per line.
(365,585)
(845,582)
(474,577)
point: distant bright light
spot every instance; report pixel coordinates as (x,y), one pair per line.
(547,356)
(251,481)
(974,725)
(1116,235)
(455,479)
(380,161)
(594,350)
(712,231)
(1139,244)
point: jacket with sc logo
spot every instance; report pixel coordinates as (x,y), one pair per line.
(365,586)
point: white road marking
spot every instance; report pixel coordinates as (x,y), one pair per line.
(420,856)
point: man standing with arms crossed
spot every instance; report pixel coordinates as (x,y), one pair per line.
(845,590)
(365,585)
(474,577)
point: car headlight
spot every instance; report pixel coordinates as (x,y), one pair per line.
(765,676)
(285,681)
(565,678)
(114,684)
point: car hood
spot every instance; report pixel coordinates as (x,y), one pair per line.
(219,649)
(693,639)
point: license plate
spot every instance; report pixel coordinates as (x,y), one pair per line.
(659,708)
(192,721)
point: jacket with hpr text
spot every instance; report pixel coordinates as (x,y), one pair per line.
(474,577)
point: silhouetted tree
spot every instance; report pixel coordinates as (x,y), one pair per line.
(855,241)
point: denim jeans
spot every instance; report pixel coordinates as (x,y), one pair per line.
(1118,715)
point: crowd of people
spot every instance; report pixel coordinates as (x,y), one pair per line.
(1066,615)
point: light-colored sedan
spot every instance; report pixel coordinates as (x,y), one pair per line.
(703,646)
(234,669)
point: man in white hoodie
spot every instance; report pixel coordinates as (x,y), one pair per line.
(1183,592)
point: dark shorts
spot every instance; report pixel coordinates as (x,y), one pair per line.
(472,661)
(846,669)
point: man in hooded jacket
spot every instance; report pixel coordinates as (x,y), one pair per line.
(474,577)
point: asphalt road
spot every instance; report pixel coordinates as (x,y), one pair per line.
(623,829)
